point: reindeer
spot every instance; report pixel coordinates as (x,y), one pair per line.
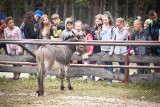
(57,57)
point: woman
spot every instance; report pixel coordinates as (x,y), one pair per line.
(121,34)
(13,32)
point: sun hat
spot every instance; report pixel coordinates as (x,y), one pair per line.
(39,13)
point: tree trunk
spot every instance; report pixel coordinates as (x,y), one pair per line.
(101,6)
(126,10)
(72,3)
(104,6)
(89,15)
(57,6)
(113,8)
(116,9)
(65,10)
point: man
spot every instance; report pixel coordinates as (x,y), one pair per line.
(154,28)
(57,28)
(140,35)
(37,16)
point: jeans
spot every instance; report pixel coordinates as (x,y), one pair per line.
(107,63)
(121,69)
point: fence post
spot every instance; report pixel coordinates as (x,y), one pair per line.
(126,70)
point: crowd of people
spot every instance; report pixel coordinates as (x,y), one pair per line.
(37,25)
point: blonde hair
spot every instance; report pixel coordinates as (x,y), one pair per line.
(42,26)
(78,21)
(120,20)
(99,16)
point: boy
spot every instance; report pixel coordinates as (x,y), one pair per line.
(68,32)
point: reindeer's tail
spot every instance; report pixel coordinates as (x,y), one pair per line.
(41,62)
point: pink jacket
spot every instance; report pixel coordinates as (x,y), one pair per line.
(89,48)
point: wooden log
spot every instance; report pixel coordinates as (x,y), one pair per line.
(95,57)
(74,71)
(99,72)
(140,78)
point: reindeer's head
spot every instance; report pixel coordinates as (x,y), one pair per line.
(81,49)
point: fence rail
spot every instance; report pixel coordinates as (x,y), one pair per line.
(25,60)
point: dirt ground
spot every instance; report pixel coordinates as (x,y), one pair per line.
(86,101)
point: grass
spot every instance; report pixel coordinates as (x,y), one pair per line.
(22,92)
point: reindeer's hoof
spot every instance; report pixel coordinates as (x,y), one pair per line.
(40,93)
(62,88)
(70,88)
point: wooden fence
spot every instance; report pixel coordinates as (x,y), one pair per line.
(29,64)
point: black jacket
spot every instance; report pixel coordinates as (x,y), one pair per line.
(30,31)
(143,35)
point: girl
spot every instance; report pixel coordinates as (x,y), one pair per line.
(13,32)
(78,28)
(45,27)
(130,50)
(107,33)
(86,30)
(121,34)
(96,30)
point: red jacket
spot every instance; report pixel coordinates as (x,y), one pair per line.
(91,47)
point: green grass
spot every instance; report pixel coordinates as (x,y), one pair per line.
(22,92)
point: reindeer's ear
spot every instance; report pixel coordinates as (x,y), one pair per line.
(75,35)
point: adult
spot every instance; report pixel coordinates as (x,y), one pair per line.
(141,35)
(154,29)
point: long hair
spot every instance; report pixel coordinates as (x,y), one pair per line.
(48,27)
(108,14)
(29,17)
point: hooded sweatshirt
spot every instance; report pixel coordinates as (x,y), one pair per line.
(121,35)
(67,33)
(107,34)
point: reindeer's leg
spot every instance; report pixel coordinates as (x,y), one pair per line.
(40,90)
(62,75)
(68,77)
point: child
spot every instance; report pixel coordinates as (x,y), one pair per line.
(121,34)
(13,32)
(68,32)
(130,50)
(147,23)
(78,28)
(45,27)
(87,32)
(108,34)
(2,27)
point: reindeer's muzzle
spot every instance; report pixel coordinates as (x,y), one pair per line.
(85,56)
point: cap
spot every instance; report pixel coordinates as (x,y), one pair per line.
(54,16)
(148,21)
(2,17)
(39,13)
